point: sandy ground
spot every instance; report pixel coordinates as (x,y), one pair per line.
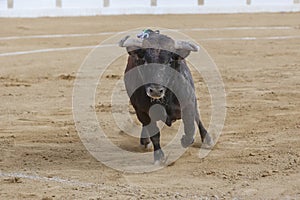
(256,157)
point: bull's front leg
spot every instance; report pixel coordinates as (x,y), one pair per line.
(145,120)
(151,130)
(154,134)
(144,139)
(188,117)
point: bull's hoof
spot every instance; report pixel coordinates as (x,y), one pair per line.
(208,142)
(186,141)
(145,142)
(159,157)
(168,121)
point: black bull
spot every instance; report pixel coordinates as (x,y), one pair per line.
(160,86)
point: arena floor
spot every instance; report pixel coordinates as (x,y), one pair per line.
(256,157)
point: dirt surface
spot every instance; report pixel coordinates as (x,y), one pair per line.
(256,157)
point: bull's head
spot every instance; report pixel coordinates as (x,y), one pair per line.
(155,48)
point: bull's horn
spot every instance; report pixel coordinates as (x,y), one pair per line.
(185,45)
(121,43)
(183,48)
(130,42)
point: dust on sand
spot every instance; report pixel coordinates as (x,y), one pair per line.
(256,157)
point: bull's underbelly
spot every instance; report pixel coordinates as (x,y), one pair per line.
(173,114)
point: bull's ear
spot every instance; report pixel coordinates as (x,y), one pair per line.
(184,48)
(131,44)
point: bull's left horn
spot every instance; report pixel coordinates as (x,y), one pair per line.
(185,45)
(183,48)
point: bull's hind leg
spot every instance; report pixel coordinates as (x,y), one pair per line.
(205,136)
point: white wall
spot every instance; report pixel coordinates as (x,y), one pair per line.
(177,3)
(3,4)
(129,3)
(272,2)
(39,8)
(82,4)
(33,4)
(225,3)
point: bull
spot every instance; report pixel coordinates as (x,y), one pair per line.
(162,87)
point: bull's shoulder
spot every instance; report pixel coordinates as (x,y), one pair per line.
(186,72)
(132,62)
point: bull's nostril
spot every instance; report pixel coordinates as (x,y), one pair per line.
(161,91)
(150,90)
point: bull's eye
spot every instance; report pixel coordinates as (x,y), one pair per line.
(175,56)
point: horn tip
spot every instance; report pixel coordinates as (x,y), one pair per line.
(121,43)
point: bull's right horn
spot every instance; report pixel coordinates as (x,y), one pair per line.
(130,42)
(121,43)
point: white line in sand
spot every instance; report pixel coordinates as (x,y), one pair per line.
(253,38)
(45,50)
(56,36)
(46,179)
(111,33)
(90,47)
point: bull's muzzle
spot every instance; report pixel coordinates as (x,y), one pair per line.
(155,91)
